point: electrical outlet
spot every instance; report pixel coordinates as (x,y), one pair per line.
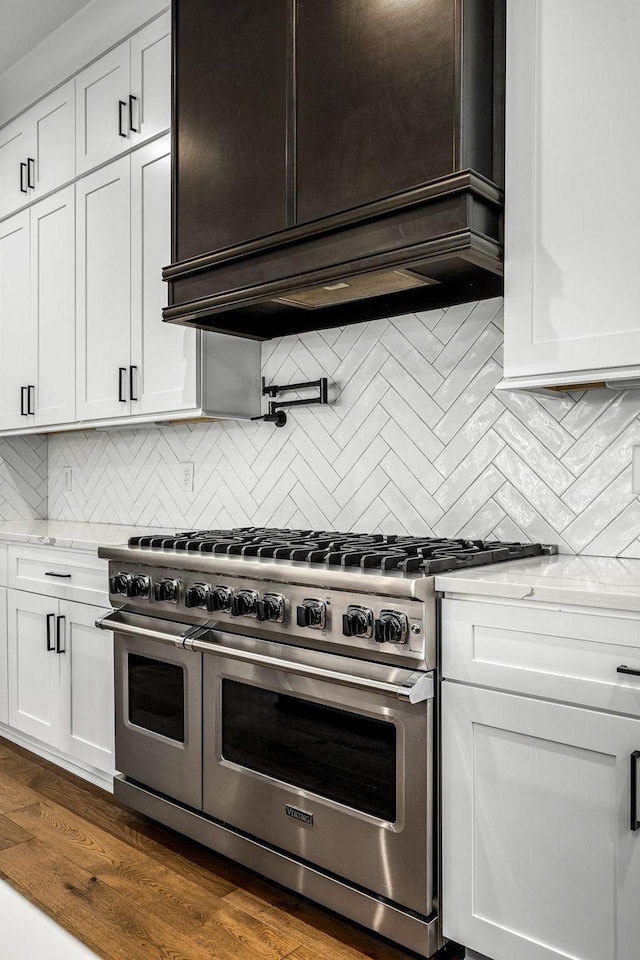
(186,477)
(635,469)
(66,478)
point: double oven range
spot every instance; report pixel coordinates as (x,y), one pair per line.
(276,701)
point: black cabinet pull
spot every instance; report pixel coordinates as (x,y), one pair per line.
(132,100)
(59,647)
(52,573)
(31,398)
(132,390)
(50,618)
(623,668)
(121,104)
(31,173)
(121,396)
(23,170)
(633,791)
(23,404)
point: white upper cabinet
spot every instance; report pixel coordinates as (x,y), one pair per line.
(163,355)
(17,335)
(53,271)
(124,97)
(103,291)
(37,151)
(572,247)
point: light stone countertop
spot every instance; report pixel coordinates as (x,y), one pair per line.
(610,583)
(74,534)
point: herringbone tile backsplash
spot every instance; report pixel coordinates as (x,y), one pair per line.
(415,439)
(23,478)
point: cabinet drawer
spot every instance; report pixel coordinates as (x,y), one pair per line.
(3,566)
(68,574)
(555,654)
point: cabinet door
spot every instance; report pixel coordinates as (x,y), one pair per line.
(17,332)
(53,140)
(539,861)
(103,291)
(53,272)
(87,714)
(102,109)
(33,666)
(376,100)
(4,690)
(572,246)
(231,161)
(150,107)
(14,150)
(163,354)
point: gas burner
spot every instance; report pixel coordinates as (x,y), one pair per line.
(384,552)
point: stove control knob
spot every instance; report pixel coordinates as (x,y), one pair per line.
(391,627)
(196,595)
(271,607)
(120,583)
(357,622)
(139,586)
(244,604)
(167,590)
(219,599)
(312,613)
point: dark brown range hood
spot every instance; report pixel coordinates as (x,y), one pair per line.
(334,160)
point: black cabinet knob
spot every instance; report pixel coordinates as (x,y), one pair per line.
(196,595)
(391,627)
(244,604)
(167,590)
(357,622)
(219,599)
(312,613)
(271,607)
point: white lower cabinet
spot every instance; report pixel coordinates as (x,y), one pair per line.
(60,676)
(541,846)
(4,691)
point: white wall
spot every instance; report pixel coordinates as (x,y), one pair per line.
(95,28)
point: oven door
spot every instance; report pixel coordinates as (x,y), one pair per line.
(158,701)
(337,772)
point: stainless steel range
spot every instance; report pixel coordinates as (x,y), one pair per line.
(275,701)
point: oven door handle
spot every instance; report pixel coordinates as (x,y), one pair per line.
(114,621)
(415,688)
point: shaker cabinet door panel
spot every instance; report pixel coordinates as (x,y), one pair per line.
(17,332)
(53,140)
(163,355)
(87,711)
(150,89)
(103,291)
(15,143)
(539,858)
(572,246)
(102,109)
(53,272)
(33,666)
(4,689)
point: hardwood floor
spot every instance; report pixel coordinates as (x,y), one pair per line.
(132,890)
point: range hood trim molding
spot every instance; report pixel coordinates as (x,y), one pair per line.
(466,181)
(474,247)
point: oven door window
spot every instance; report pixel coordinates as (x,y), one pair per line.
(343,756)
(156,696)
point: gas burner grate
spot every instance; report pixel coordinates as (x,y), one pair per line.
(376,551)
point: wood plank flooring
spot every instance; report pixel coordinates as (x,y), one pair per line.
(132,890)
